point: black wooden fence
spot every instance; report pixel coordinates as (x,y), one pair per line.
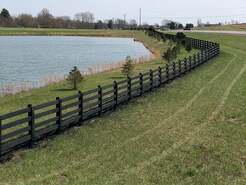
(24,127)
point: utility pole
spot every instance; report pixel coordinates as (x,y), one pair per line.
(140,17)
(124,20)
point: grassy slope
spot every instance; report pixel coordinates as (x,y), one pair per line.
(42,95)
(190,132)
(234,27)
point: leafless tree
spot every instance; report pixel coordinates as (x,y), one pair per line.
(45,18)
(199,23)
(85,17)
(26,20)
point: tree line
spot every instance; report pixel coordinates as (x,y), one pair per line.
(44,19)
(176,25)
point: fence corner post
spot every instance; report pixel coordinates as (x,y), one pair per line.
(31,125)
(81,108)
(115,95)
(58,113)
(100,100)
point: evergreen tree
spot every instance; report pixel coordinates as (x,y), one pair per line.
(178,47)
(111,24)
(5,13)
(75,77)
(174,52)
(128,66)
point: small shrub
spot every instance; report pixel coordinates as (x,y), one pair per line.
(177,48)
(75,77)
(168,55)
(128,66)
(174,52)
(180,35)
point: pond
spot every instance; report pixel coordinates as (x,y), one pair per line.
(32,59)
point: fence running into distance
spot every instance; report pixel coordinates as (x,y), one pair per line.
(24,127)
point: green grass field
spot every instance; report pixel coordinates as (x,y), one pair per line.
(192,131)
(234,27)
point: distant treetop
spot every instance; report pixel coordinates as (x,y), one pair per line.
(5,13)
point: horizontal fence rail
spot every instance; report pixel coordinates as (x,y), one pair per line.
(26,126)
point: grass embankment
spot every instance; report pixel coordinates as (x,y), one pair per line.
(190,132)
(232,27)
(63,89)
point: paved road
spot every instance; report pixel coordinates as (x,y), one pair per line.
(213,31)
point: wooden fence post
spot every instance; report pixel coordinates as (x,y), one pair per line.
(217,49)
(129,87)
(194,61)
(185,63)
(58,113)
(174,70)
(190,63)
(208,54)
(167,73)
(151,79)
(31,125)
(115,94)
(160,75)
(100,100)
(180,68)
(203,56)
(199,58)
(81,108)
(141,83)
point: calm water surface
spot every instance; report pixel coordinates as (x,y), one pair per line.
(31,58)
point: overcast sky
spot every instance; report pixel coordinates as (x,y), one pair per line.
(153,11)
